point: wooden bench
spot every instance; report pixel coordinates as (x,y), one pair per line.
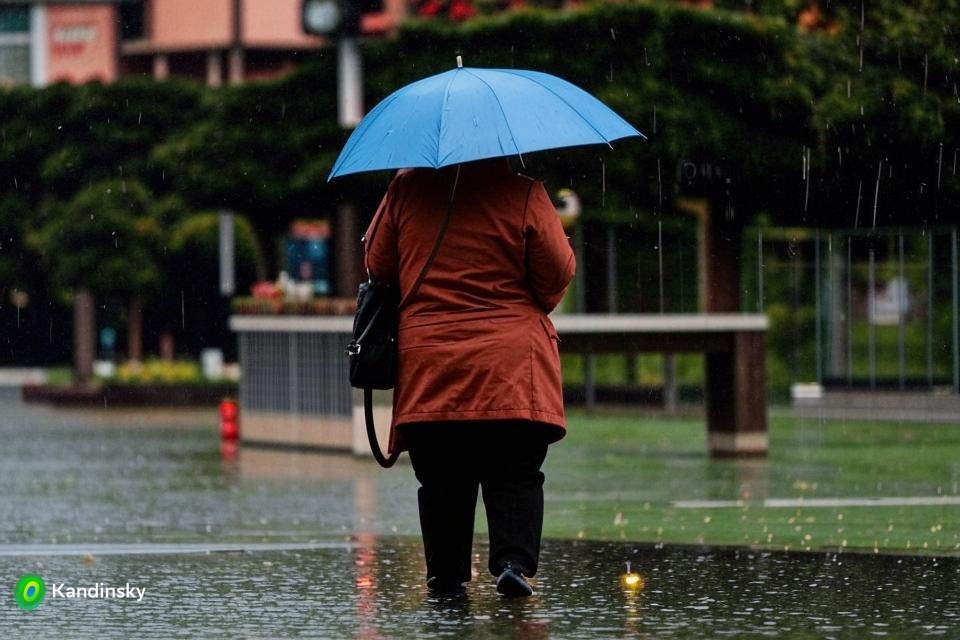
(735,370)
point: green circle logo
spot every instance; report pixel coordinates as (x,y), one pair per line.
(30,591)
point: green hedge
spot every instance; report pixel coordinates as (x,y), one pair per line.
(739,86)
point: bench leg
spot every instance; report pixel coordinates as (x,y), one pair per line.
(736,400)
(590,382)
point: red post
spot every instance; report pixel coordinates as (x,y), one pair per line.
(229,415)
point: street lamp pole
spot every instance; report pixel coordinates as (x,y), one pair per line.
(340,19)
(349,82)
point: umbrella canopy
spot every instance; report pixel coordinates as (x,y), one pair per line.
(469,114)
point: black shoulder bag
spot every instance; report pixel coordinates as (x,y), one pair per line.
(373,349)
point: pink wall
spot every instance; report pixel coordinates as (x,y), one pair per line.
(274,23)
(190,24)
(199,24)
(82,43)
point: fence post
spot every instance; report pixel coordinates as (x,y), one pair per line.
(956,312)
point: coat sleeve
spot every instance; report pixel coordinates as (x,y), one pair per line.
(381,256)
(550,260)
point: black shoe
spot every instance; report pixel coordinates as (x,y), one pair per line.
(445,586)
(512,584)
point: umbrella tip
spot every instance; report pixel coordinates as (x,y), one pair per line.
(459,62)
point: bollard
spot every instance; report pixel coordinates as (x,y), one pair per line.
(229,423)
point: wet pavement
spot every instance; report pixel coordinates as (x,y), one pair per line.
(371,588)
(265,544)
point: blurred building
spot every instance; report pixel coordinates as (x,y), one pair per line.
(211,41)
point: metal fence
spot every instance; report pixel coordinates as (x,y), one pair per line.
(872,308)
(298,373)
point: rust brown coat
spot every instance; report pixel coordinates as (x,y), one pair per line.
(475,342)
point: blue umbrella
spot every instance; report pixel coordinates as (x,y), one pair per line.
(469,114)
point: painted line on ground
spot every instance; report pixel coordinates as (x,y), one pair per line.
(791,503)
(106,549)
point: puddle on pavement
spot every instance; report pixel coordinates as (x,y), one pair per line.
(372,587)
(267,545)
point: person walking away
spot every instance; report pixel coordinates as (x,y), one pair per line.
(478,395)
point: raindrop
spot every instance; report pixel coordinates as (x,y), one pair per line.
(603,183)
(876,194)
(856,217)
(660,257)
(655,122)
(613,34)
(139,117)
(939,166)
(926,70)
(659,189)
(760,271)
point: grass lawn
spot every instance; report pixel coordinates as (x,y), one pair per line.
(633,477)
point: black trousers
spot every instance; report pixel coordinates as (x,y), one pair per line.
(452,461)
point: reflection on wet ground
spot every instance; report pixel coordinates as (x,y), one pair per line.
(372,588)
(257,543)
(78,477)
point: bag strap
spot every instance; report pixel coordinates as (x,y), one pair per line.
(388,461)
(384,461)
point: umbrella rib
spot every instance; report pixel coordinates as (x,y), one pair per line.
(565,101)
(502,111)
(372,117)
(443,114)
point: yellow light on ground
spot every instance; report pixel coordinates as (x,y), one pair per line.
(632,581)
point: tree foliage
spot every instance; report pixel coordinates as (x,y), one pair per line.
(104,239)
(838,113)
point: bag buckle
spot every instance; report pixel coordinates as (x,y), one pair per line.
(353,349)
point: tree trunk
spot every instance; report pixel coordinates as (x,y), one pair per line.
(84,338)
(135,330)
(167,347)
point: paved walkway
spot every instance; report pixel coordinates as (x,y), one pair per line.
(15,377)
